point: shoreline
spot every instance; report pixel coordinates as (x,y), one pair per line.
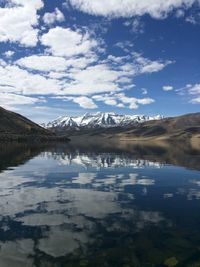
(9,138)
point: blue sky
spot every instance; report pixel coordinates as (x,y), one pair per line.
(69,57)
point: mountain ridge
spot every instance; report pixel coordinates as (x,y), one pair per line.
(15,127)
(134,128)
(97,120)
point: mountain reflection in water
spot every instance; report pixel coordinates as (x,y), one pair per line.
(99,205)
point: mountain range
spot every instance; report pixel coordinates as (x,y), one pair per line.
(97,125)
(128,127)
(97,120)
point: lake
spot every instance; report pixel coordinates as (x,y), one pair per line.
(123,205)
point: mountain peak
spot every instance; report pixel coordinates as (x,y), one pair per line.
(99,120)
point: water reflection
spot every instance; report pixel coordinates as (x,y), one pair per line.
(72,206)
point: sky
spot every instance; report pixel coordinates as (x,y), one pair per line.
(70,57)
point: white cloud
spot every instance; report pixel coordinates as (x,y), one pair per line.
(11,101)
(134,102)
(18,22)
(85,102)
(120,105)
(118,100)
(82,101)
(146,65)
(48,63)
(130,8)
(137,64)
(111,102)
(195,100)
(121,100)
(193,19)
(153,67)
(107,99)
(144,91)
(71,66)
(78,77)
(74,76)
(168,88)
(194,89)
(94,79)
(51,18)
(16,80)
(116,60)
(136,25)
(125,45)
(9,53)
(66,42)
(43,63)
(145,101)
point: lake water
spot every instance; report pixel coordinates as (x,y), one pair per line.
(123,206)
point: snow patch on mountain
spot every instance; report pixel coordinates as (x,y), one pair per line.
(99,120)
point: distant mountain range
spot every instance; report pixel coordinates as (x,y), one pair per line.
(181,127)
(128,127)
(98,120)
(107,125)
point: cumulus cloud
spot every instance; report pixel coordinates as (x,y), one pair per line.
(153,67)
(134,102)
(18,22)
(16,80)
(11,101)
(43,63)
(85,102)
(66,42)
(78,77)
(107,99)
(94,79)
(70,63)
(121,100)
(82,101)
(129,8)
(51,18)
(106,77)
(47,63)
(168,88)
(71,76)
(146,65)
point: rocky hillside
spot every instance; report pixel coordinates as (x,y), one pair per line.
(14,127)
(176,127)
(13,123)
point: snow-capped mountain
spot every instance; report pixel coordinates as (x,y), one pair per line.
(99,120)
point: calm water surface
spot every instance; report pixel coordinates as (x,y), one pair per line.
(77,206)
